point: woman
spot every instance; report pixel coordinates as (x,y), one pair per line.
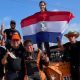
(34,61)
(42,6)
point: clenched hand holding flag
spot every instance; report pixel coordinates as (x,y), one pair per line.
(45,26)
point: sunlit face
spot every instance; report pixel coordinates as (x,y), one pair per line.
(12,26)
(29,48)
(42,6)
(72,39)
(15,43)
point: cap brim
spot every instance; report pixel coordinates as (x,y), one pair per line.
(16,37)
(69,35)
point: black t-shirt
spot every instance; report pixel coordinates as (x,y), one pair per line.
(2,53)
(73,52)
(9,33)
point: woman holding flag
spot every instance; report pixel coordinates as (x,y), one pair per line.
(42,5)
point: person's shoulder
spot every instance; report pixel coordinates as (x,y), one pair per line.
(78,42)
(6,30)
(37,14)
(21,48)
(66,44)
(2,47)
(16,30)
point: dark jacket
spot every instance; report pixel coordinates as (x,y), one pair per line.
(16,65)
(2,53)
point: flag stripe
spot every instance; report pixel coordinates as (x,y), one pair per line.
(39,37)
(45,26)
(46,16)
(57,26)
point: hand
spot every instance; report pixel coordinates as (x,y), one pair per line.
(25,77)
(4,59)
(6,55)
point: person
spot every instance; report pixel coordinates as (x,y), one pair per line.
(7,35)
(72,53)
(14,59)
(1,35)
(2,53)
(42,6)
(34,61)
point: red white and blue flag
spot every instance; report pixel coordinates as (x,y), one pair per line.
(45,26)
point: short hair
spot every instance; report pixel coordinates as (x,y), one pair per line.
(27,41)
(12,22)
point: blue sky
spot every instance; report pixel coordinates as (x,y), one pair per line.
(19,9)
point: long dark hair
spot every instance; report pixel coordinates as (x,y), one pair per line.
(44,3)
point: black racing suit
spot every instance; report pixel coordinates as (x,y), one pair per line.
(15,67)
(72,54)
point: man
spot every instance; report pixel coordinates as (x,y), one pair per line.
(2,53)
(14,59)
(8,33)
(34,62)
(72,53)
